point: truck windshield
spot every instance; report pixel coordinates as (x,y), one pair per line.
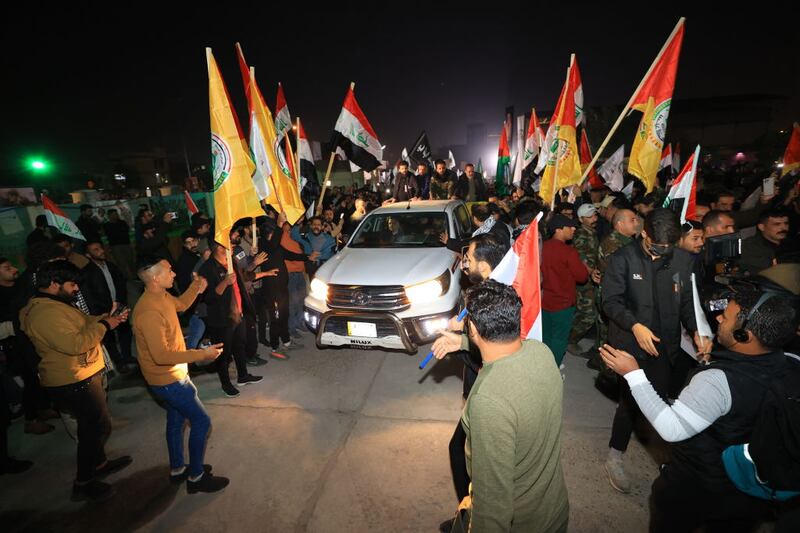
(401,230)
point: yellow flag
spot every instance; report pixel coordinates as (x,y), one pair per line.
(284,194)
(563,158)
(232,169)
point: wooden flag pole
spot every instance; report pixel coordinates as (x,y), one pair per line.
(229,256)
(627,107)
(330,166)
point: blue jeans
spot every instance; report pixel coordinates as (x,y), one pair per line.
(196,329)
(297,294)
(181,402)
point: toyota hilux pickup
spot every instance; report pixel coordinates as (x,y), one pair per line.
(394,284)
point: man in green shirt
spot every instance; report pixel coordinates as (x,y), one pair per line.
(512,419)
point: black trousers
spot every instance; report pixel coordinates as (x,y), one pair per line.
(276,296)
(458,462)
(680,505)
(119,355)
(658,371)
(251,337)
(23,361)
(262,315)
(233,336)
(86,400)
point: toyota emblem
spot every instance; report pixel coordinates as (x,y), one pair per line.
(360,298)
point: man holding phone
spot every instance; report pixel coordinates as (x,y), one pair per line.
(163,358)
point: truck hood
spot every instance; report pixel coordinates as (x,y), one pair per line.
(386,266)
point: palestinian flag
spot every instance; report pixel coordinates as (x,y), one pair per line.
(355,136)
(653,99)
(503,162)
(59,220)
(190,205)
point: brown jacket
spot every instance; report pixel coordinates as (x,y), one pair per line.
(66,339)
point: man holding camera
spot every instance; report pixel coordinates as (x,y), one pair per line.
(718,408)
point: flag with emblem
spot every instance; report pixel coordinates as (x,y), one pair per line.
(59,220)
(354,135)
(653,99)
(234,194)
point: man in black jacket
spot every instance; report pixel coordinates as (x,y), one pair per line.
(227,301)
(155,240)
(119,240)
(470,186)
(647,295)
(405,185)
(189,263)
(103,286)
(275,289)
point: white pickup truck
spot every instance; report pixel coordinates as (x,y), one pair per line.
(394,284)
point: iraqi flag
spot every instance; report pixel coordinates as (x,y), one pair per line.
(190,205)
(59,220)
(355,136)
(283,120)
(666,158)
(310,190)
(682,195)
(533,141)
(521,268)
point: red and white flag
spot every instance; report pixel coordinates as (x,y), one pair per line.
(283,120)
(666,158)
(59,220)
(521,268)
(683,193)
(190,205)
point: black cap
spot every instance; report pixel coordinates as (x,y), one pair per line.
(558,221)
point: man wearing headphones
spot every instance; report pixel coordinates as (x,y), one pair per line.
(718,408)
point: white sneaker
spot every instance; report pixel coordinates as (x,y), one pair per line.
(616,475)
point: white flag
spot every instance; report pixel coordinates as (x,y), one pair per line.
(612,170)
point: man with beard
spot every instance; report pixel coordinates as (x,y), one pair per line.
(228,302)
(105,288)
(71,368)
(758,251)
(405,185)
(441,184)
(692,237)
(588,246)
(248,264)
(423,181)
(647,296)
(470,186)
(483,254)
(315,241)
(189,263)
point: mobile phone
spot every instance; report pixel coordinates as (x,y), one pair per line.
(341,216)
(769,186)
(173,215)
(119,310)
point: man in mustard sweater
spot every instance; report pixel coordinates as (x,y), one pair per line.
(71,368)
(163,359)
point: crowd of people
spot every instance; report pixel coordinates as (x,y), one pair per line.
(619,275)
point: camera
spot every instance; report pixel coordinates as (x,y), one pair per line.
(722,251)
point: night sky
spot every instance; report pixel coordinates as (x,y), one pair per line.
(85,84)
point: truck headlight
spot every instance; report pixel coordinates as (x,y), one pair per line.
(319,289)
(428,291)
